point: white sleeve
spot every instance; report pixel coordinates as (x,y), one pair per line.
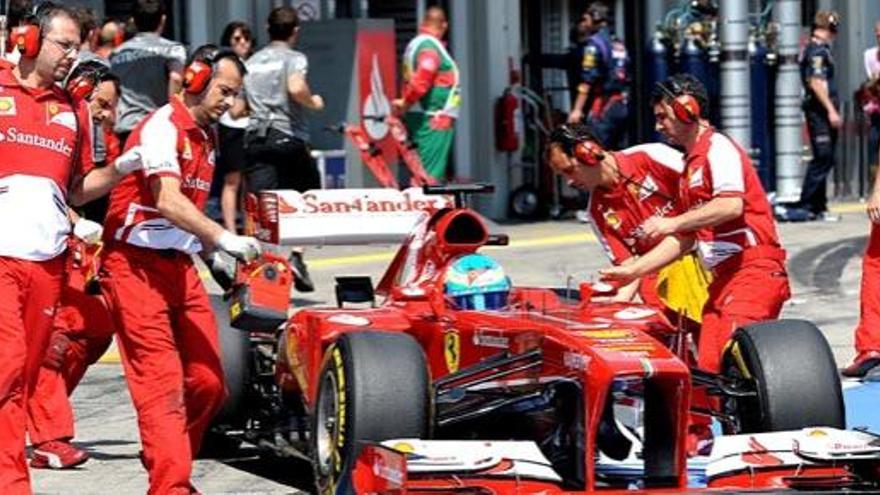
(158,145)
(663,154)
(869,53)
(725,165)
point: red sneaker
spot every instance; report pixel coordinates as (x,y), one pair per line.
(57,454)
(864,362)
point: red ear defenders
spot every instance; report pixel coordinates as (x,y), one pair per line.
(586,151)
(589,153)
(26,39)
(197,76)
(684,106)
(199,72)
(88,76)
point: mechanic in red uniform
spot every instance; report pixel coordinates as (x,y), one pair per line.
(83,329)
(45,142)
(626,188)
(867,333)
(167,332)
(727,218)
(729,222)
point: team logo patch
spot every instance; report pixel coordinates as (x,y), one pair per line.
(452,350)
(7,106)
(611,219)
(65,119)
(818,62)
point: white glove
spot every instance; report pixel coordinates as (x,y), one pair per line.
(129,161)
(242,247)
(90,232)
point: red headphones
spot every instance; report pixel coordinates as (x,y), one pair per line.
(196,76)
(685,107)
(589,153)
(84,78)
(26,39)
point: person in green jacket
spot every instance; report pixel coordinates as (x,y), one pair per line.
(431,93)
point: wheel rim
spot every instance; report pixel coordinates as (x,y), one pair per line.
(327,425)
(525,203)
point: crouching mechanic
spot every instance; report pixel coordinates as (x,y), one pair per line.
(727,217)
(46,150)
(626,188)
(83,328)
(166,328)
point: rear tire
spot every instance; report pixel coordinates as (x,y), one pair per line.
(524,203)
(795,373)
(373,386)
(235,348)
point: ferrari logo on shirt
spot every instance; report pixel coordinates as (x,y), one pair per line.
(452,350)
(7,106)
(187,153)
(52,109)
(611,219)
(818,61)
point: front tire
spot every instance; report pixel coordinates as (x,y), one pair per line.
(794,373)
(373,386)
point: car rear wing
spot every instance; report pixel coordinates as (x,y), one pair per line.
(338,216)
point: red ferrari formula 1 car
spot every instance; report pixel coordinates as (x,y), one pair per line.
(444,378)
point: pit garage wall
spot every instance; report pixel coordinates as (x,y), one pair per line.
(485,34)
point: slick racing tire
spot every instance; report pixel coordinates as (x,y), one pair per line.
(373,386)
(524,203)
(795,375)
(235,353)
(234,356)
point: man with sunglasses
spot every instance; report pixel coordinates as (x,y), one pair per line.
(626,188)
(83,328)
(45,139)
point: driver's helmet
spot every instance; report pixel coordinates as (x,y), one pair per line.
(476,281)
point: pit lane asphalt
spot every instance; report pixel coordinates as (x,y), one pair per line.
(824,263)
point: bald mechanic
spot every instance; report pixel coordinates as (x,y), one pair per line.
(167,332)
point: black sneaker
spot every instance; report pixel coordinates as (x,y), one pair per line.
(301,279)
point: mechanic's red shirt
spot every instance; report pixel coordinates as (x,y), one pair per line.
(45,141)
(171,144)
(717,167)
(650,188)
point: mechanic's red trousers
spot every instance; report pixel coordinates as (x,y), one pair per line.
(746,290)
(29,292)
(86,322)
(168,341)
(868,331)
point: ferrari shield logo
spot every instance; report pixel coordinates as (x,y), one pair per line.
(611,219)
(7,106)
(452,350)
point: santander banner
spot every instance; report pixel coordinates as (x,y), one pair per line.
(343,216)
(377,76)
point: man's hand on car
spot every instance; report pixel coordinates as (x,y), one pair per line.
(242,247)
